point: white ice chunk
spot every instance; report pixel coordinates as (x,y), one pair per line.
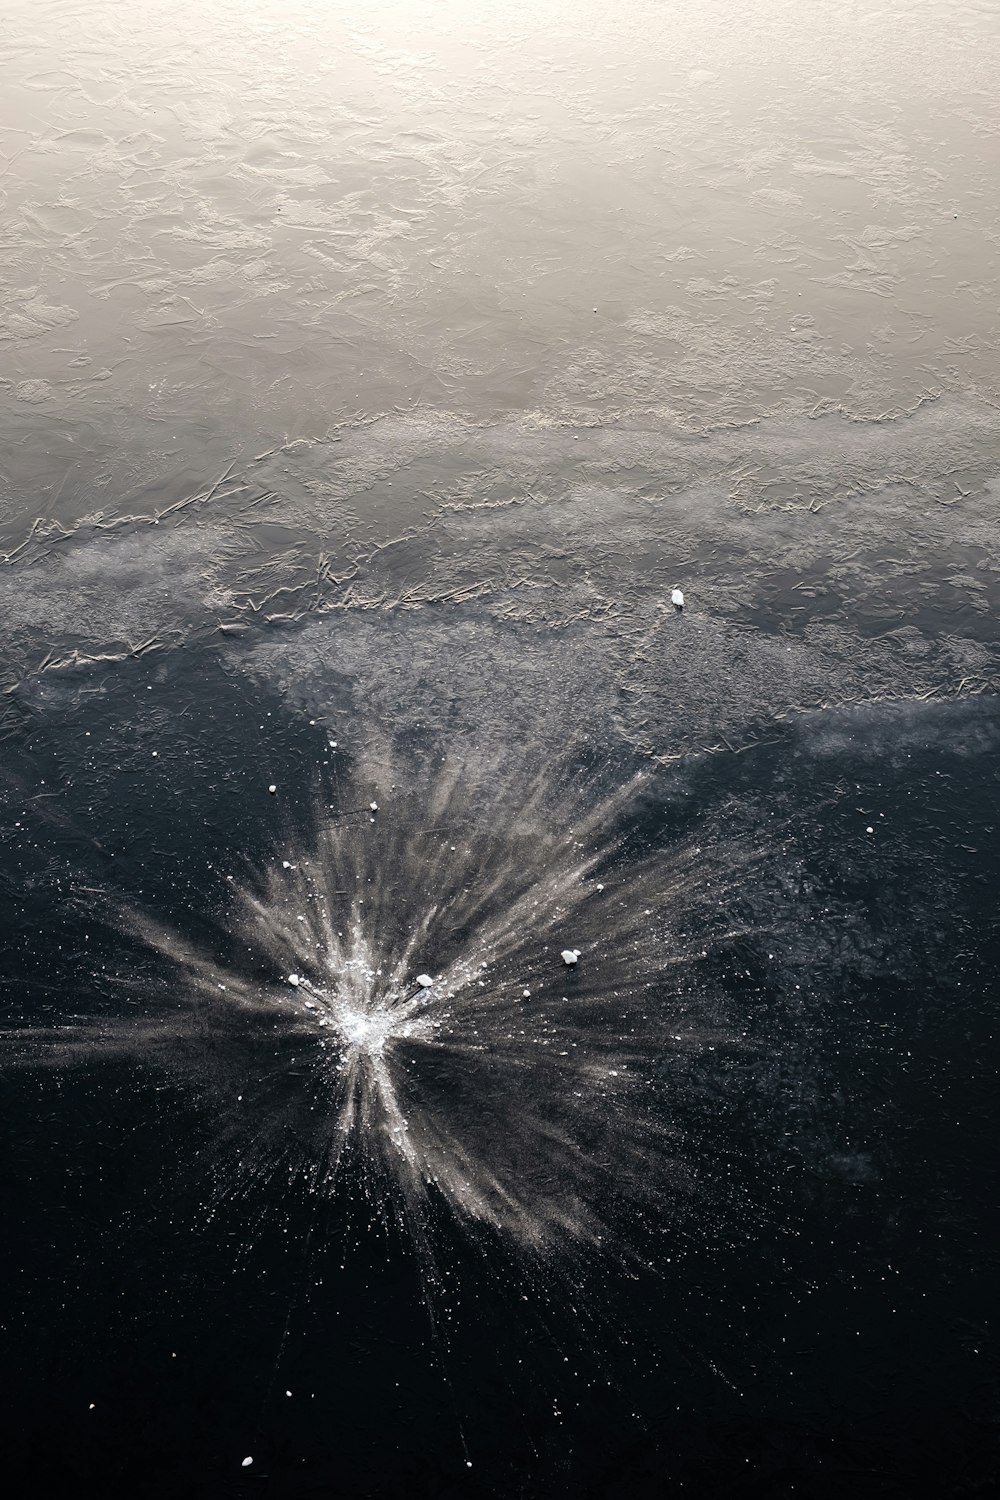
(246,1463)
(272,788)
(570,955)
(677,598)
(293,979)
(373,806)
(425,981)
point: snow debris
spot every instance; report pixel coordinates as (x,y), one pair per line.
(425,981)
(570,956)
(293,979)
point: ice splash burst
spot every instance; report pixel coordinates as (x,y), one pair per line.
(386,1002)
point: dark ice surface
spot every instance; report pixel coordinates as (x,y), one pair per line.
(369,377)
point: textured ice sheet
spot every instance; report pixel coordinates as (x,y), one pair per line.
(468,575)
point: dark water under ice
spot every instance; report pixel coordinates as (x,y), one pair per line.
(369,378)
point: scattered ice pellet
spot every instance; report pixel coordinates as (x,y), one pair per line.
(570,955)
(272,788)
(526,993)
(311,1005)
(285,865)
(869,830)
(293,979)
(600,887)
(373,806)
(288,1393)
(425,981)
(677,599)
(246,1463)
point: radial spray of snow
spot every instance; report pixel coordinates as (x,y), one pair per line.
(530,1095)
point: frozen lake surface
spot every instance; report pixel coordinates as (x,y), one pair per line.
(473,1026)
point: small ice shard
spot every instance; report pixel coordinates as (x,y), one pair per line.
(600,887)
(425,981)
(373,806)
(272,788)
(570,956)
(677,599)
(285,865)
(311,1005)
(293,979)
(246,1463)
